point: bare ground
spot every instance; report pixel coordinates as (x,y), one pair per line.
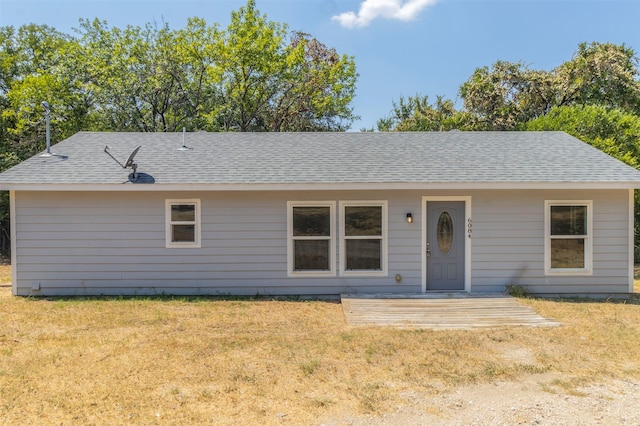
(534,400)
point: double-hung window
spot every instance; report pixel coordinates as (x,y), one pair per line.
(182,218)
(311,238)
(363,242)
(568,237)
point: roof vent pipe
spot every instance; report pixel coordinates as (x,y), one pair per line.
(47,118)
(184,146)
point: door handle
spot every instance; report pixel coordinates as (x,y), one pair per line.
(428,250)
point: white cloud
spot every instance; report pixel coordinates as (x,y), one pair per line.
(389,9)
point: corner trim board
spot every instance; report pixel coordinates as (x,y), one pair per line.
(631,239)
(14,242)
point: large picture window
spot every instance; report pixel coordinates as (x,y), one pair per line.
(182,223)
(311,238)
(568,234)
(363,237)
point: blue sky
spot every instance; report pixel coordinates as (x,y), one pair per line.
(401,47)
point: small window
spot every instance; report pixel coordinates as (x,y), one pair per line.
(445,232)
(568,237)
(311,238)
(363,238)
(183,223)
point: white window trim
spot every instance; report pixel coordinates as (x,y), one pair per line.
(588,250)
(290,238)
(169,223)
(383,246)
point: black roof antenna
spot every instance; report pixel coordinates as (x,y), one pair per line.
(129,162)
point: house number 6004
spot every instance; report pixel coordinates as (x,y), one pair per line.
(469,226)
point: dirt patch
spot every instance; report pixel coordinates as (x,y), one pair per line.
(538,399)
(517,354)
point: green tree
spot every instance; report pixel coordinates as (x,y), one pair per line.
(252,60)
(317,90)
(8,72)
(415,113)
(252,76)
(35,69)
(509,94)
(266,83)
(146,79)
(600,74)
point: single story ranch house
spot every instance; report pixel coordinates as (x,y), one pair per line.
(321,214)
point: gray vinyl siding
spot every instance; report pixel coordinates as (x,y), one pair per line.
(114,243)
(508,242)
(81,243)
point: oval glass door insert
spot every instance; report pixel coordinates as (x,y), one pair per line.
(445,232)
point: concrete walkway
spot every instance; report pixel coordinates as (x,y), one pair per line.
(439,311)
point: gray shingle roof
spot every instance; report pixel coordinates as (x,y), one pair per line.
(324,158)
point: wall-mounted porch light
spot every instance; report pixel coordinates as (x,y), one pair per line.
(409,218)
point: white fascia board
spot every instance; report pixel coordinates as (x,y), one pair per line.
(320,186)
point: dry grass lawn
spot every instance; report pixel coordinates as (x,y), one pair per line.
(196,361)
(5,274)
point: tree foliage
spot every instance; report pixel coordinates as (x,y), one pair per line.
(600,74)
(508,94)
(252,62)
(267,83)
(34,68)
(415,113)
(254,75)
(317,95)
(145,79)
